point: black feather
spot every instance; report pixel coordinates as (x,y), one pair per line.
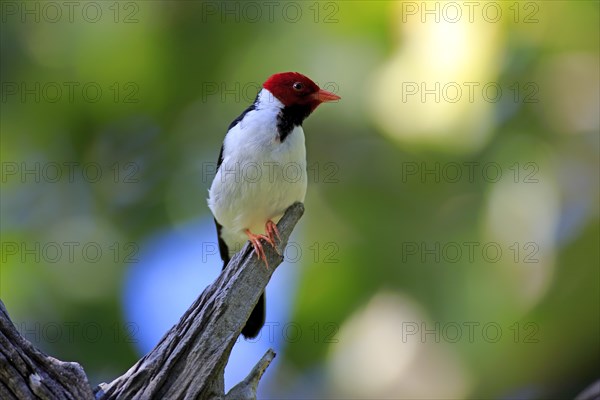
(223,249)
(243,114)
(290,117)
(256,320)
(220,160)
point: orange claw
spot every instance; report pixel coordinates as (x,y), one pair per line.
(272,229)
(258,248)
(273,232)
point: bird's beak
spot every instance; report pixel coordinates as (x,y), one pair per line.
(324,96)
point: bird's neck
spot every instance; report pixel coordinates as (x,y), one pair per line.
(288,117)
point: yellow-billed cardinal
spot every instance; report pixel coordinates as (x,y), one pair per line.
(261,170)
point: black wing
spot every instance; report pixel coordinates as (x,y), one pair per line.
(220,160)
(243,114)
(223,249)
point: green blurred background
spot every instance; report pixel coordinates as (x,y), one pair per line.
(450,243)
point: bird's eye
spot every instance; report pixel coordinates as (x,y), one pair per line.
(298,86)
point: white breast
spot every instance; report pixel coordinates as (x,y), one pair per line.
(259,176)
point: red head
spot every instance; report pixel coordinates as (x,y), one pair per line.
(295,89)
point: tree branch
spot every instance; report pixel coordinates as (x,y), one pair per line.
(187,363)
(592,392)
(26,372)
(246,389)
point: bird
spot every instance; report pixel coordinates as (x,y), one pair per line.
(261,170)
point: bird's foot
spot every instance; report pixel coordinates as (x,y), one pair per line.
(258,247)
(273,232)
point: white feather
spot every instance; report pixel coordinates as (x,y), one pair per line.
(260,176)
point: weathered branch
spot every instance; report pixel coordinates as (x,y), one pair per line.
(188,362)
(592,392)
(246,389)
(26,372)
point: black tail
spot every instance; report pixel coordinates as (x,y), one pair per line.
(256,320)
